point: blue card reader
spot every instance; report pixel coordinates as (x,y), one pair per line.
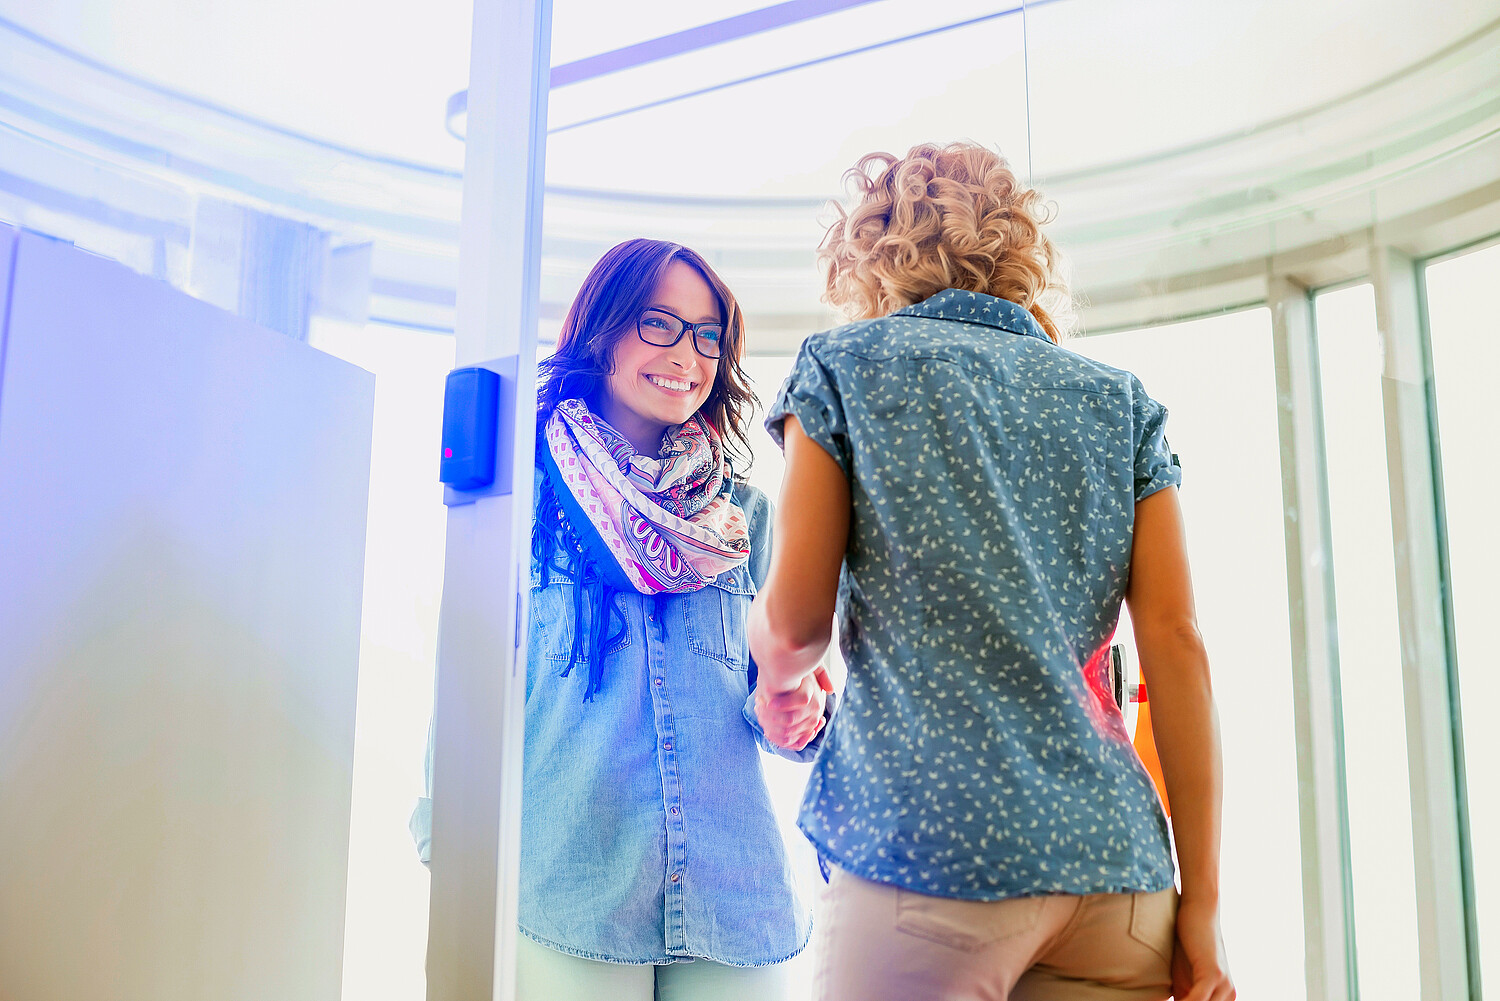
(477,427)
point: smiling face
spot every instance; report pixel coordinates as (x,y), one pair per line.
(652,388)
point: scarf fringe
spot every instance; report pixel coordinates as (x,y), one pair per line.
(593,633)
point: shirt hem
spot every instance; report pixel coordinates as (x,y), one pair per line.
(664,960)
(872,874)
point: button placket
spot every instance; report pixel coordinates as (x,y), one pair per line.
(656,653)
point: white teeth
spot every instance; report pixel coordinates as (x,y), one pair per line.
(672,384)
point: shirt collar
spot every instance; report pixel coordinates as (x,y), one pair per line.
(976,307)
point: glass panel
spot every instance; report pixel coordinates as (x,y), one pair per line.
(718,54)
(785,779)
(729,143)
(582,28)
(1217,379)
(385,931)
(1465,358)
(1369,641)
(1111,82)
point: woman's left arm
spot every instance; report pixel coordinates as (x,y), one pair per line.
(788,733)
(792,618)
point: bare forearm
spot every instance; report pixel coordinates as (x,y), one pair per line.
(1186,728)
(791,620)
(785,652)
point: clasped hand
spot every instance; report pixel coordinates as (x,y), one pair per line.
(792,719)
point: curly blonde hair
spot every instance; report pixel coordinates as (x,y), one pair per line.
(942,217)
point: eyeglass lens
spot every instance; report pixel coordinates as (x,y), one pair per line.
(664,330)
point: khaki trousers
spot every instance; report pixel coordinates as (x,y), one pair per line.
(875,942)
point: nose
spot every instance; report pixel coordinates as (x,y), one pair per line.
(682,354)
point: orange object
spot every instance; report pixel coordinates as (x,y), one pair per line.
(1145,746)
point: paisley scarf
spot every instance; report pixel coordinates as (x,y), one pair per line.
(667,525)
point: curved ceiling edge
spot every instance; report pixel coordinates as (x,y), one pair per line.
(110,148)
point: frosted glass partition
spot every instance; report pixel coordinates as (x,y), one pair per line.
(1217,380)
(1369,645)
(782,113)
(385,936)
(182,528)
(1465,358)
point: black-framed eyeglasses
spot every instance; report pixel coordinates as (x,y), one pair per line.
(662,329)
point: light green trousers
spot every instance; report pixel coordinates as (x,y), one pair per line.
(544,974)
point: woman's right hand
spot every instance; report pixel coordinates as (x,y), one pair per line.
(1200,969)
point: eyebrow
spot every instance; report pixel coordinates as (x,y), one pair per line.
(712,319)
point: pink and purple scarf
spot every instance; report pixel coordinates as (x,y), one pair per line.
(667,523)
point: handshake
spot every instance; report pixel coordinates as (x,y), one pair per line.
(791,719)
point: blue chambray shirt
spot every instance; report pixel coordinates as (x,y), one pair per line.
(647,834)
(978,753)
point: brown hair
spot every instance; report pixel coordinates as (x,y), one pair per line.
(941,217)
(613,296)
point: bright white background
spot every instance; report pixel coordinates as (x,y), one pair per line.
(1380,846)
(1109,80)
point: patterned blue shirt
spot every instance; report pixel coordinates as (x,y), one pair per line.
(978,753)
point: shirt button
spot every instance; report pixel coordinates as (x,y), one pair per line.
(676,877)
(674,811)
(667,745)
(658,682)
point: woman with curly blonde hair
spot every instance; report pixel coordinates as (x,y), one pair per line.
(974,503)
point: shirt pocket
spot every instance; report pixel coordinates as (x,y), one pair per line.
(716,618)
(552,624)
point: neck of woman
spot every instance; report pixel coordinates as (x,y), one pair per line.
(642,433)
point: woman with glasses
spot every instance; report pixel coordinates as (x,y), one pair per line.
(651,864)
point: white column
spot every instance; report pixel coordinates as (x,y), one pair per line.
(481,674)
(1326,886)
(1432,734)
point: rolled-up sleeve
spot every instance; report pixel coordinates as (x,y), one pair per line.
(811,394)
(1155,464)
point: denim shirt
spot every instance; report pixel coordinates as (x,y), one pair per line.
(994,475)
(647,834)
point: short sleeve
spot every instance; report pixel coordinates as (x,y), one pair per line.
(1155,465)
(811,395)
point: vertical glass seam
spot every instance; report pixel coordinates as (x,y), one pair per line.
(1450,642)
(1335,662)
